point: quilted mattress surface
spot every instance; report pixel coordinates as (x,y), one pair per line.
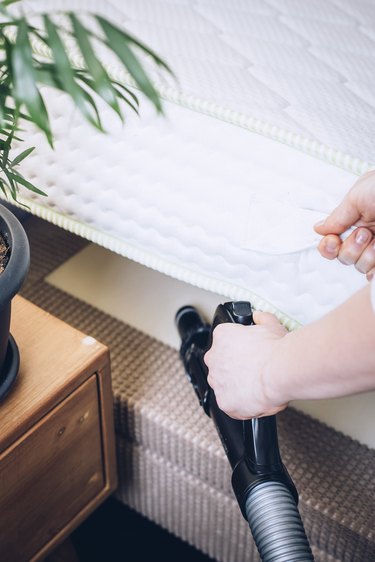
(269,123)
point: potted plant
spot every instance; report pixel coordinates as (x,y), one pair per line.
(22,73)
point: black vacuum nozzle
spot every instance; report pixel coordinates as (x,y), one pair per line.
(187,320)
(192,329)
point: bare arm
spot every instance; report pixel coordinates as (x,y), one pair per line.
(332,357)
(257,370)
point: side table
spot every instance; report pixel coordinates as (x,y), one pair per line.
(57,452)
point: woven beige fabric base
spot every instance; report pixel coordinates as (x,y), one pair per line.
(175,454)
(150,484)
(183,504)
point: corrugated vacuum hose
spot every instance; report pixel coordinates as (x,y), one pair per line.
(276,524)
(264,490)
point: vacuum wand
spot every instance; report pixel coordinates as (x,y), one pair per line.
(258,474)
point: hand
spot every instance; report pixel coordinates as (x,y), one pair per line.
(237,362)
(357,208)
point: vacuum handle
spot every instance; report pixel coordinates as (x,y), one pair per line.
(251,446)
(260,434)
(238,312)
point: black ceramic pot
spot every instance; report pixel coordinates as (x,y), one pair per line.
(11,280)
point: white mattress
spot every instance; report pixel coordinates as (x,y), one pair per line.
(267,127)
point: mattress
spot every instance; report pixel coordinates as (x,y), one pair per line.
(269,123)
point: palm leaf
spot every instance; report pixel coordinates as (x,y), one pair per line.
(25,90)
(22,71)
(24,154)
(101,82)
(16,177)
(65,75)
(118,43)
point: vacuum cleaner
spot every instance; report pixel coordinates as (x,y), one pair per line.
(264,490)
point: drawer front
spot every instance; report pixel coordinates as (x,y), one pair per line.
(50,474)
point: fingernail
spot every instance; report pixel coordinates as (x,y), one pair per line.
(320,223)
(362,236)
(331,245)
(370,276)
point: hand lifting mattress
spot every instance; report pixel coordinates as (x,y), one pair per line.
(269,123)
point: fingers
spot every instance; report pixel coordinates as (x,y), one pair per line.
(366,262)
(341,218)
(236,362)
(358,249)
(270,323)
(329,246)
(264,318)
(353,251)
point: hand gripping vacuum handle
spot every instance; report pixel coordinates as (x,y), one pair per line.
(260,481)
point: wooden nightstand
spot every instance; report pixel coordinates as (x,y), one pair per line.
(57,454)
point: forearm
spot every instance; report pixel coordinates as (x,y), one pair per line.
(332,357)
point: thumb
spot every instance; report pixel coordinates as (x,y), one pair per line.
(341,218)
(264,318)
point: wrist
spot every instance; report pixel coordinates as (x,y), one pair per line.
(276,376)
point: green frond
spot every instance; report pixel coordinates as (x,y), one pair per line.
(22,72)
